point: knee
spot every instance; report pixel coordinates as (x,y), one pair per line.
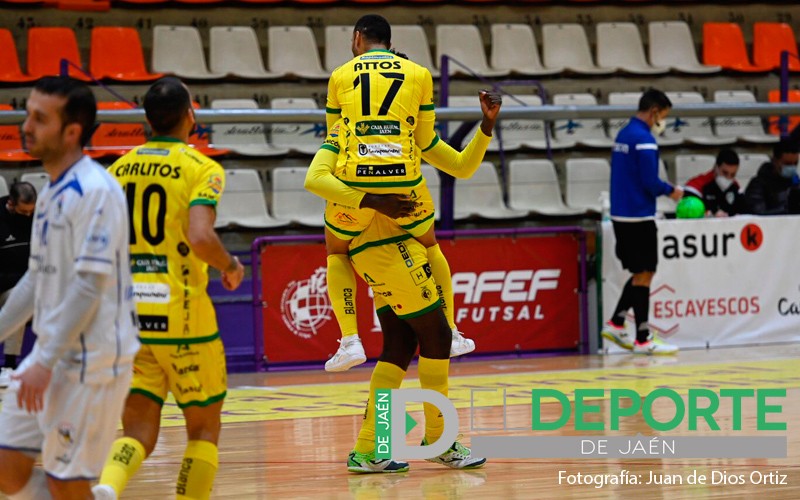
(15,473)
(204,430)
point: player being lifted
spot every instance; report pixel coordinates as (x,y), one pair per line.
(385,103)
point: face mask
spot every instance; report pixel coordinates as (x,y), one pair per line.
(723,182)
(658,128)
(788,171)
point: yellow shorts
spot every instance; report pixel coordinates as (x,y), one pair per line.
(347,222)
(195,374)
(396,267)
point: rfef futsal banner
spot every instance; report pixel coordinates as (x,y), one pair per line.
(511,294)
(720,282)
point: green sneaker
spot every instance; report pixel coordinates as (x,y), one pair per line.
(457,457)
(366,463)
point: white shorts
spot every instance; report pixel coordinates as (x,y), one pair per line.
(74,431)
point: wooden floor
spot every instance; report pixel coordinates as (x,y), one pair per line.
(287,434)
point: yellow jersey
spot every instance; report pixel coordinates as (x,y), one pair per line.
(385,103)
(162,179)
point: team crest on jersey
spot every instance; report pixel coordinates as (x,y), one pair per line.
(215,183)
(427,294)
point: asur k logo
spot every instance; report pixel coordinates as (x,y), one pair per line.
(751,237)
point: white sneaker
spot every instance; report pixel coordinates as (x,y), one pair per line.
(654,346)
(350,354)
(460,345)
(104,492)
(457,457)
(5,377)
(618,335)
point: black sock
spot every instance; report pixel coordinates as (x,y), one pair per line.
(625,300)
(641,310)
(10,361)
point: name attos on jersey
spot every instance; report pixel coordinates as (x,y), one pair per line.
(150,169)
(517,294)
(368,65)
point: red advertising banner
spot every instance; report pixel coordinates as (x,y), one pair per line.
(511,294)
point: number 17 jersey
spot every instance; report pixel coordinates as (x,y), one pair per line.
(161,180)
(382,99)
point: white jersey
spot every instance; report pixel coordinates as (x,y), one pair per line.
(81,225)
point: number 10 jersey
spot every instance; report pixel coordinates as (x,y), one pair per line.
(161,180)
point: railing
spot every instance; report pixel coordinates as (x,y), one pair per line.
(783,121)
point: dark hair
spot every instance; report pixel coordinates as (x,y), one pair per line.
(785,146)
(654,98)
(728,157)
(398,53)
(165,104)
(81,106)
(23,192)
(375,29)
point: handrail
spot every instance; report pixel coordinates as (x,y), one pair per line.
(783,121)
(545,112)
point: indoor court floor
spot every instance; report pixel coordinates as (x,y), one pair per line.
(286,434)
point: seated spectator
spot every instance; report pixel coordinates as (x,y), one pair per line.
(718,188)
(769,191)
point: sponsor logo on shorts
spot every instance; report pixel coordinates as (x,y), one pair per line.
(65,434)
(401,247)
(421,274)
(148,263)
(148,323)
(370,281)
(183,249)
(183,370)
(377,127)
(192,389)
(151,293)
(381,150)
(380,170)
(345,219)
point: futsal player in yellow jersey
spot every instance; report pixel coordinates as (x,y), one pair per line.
(386,105)
(172,192)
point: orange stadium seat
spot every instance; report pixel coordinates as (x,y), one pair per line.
(145,2)
(117,54)
(794,121)
(315,1)
(199,1)
(11,141)
(47,47)
(769,40)
(85,5)
(116,139)
(9,62)
(723,45)
(261,1)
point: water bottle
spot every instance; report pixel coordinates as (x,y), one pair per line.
(605,205)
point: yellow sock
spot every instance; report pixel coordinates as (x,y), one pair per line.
(198,469)
(433,375)
(444,282)
(342,291)
(384,376)
(124,459)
